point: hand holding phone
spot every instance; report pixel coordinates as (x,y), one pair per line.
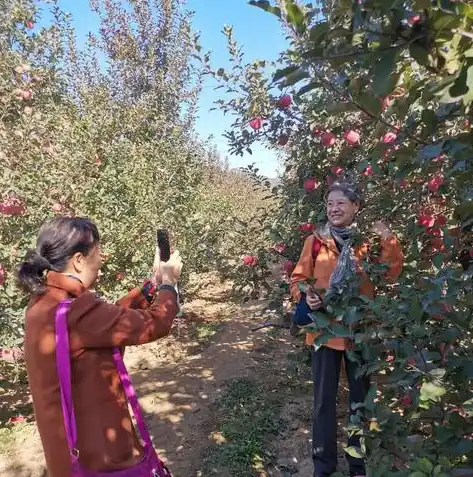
(169,265)
(314,301)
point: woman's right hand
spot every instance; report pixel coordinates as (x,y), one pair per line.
(313,301)
(170,271)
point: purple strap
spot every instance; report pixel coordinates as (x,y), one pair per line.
(63,360)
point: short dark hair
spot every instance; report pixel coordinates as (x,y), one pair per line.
(58,240)
(349,189)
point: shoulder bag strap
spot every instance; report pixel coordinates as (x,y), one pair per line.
(131,397)
(63,363)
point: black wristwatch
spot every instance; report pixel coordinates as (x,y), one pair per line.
(167,287)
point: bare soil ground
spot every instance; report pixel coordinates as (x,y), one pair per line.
(219,399)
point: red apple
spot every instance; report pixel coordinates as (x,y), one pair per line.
(389,137)
(280,247)
(327,139)
(406,400)
(256,123)
(29,24)
(336,170)
(12,206)
(250,260)
(368,171)
(412,20)
(288,266)
(120,276)
(434,183)
(426,220)
(56,208)
(16,420)
(26,95)
(2,275)
(311,184)
(283,140)
(352,137)
(285,101)
(307,227)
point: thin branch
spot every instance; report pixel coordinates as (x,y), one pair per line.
(466,34)
(269,325)
(354,54)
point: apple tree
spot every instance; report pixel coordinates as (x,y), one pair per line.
(378,92)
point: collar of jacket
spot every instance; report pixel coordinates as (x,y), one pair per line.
(73,286)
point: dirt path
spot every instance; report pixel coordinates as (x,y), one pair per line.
(194,386)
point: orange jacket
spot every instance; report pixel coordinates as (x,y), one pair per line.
(321,270)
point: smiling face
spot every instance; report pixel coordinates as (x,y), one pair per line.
(341,210)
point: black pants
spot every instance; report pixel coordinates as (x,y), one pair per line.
(326,364)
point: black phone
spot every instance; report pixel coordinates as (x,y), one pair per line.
(164,244)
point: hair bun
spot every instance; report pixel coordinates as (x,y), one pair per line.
(31,271)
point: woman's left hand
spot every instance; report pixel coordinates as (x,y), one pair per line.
(379,228)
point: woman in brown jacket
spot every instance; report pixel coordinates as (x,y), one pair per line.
(65,264)
(337,270)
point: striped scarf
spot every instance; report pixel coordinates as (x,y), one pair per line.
(344,278)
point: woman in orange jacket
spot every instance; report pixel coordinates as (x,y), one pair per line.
(337,270)
(64,265)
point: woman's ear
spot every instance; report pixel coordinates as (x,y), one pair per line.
(77,261)
(357,207)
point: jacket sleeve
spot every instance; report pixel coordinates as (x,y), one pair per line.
(97,324)
(134,300)
(392,256)
(304,269)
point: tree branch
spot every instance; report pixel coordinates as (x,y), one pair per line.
(269,325)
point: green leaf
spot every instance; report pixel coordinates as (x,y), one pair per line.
(420,54)
(415,309)
(284,72)
(321,340)
(437,88)
(437,260)
(351,316)
(308,87)
(468,407)
(318,31)
(430,120)
(371,104)
(421,4)
(266,6)
(355,452)
(320,319)
(295,16)
(459,88)
(384,79)
(295,77)
(341,331)
(461,448)
(464,211)
(425,465)
(438,373)
(431,392)
(417,474)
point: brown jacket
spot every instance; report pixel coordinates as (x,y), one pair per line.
(106,437)
(321,271)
